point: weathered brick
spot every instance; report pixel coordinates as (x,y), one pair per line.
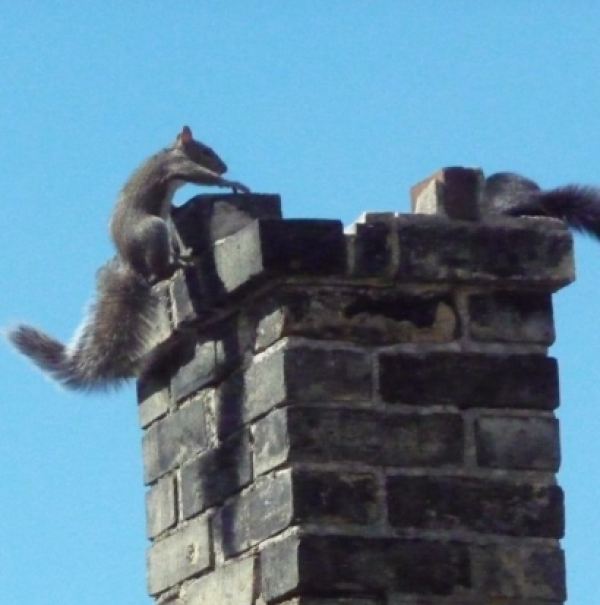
(469,380)
(521,572)
(502,251)
(269,329)
(311,600)
(231,584)
(263,510)
(368,436)
(295,374)
(217,474)
(290,247)
(179,556)
(271,441)
(359,315)
(173,440)
(452,192)
(153,397)
(344,565)
(210,217)
(335,497)
(372,250)
(296,497)
(482,505)
(161,511)
(512,317)
(392,316)
(422,439)
(193,295)
(518,443)
(318,435)
(198,371)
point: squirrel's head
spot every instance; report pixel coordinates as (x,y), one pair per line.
(198,152)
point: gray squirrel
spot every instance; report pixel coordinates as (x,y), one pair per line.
(109,346)
(514,195)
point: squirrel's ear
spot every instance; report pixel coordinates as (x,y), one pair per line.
(186,135)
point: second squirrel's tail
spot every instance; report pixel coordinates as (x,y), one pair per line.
(107,348)
(577,205)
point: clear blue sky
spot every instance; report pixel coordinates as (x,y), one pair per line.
(338,105)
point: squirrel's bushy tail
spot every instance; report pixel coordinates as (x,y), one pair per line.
(577,205)
(108,346)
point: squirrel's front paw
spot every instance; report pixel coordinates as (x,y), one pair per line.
(238,187)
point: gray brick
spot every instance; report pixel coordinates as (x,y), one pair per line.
(199,370)
(483,505)
(263,510)
(451,192)
(372,250)
(518,443)
(207,218)
(161,511)
(345,565)
(422,439)
(173,440)
(520,572)
(367,436)
(153,397)
(366,315)
(308,600)
(276,247)
(469,380)
(271,441)
(232,584)
(512,317)
(503,251)
(179,556)
(295,374)
(335,497)
(216,475)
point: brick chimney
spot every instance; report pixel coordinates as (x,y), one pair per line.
(361,417)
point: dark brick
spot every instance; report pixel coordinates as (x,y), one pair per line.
(502,251)
(194,294)
(327,374)
(422,440)
(161,513)
(263,510)
(290,247)
(518,443)
(512,317)
(311,600)
(356,314)
(486,506)
(154,400)
(330,435)
(520,572)
(173,440)
(372,250)
(295,374)
(231,584)
(335,497)
(183,554)
(271,441)
(470,380)
(344,565)
(318,435)
(217,474)
(207,218)
(198,371)
(452,192)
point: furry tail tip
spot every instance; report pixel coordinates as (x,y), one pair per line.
(46,352)
(577,205)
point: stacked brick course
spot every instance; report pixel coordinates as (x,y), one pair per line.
(357,418)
